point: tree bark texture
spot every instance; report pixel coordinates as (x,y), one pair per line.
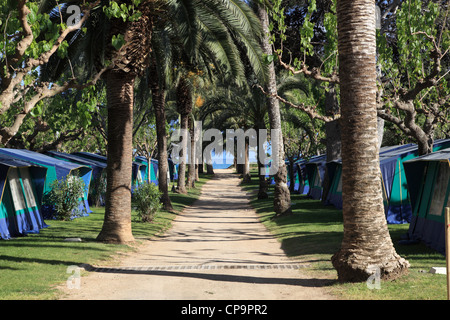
(333,135)
(117,224)
(184,107)
(366,241)
(282,196)
(163,165)
(191,172)
(246,177)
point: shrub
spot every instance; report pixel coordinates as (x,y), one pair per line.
(146,200)
(65,196)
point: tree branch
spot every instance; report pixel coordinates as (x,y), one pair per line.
(310,111)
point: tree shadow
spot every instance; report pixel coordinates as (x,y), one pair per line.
(221,277)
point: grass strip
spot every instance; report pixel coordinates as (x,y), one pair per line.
(31,267)
(313,233)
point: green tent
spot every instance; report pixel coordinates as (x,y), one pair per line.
(56,170)
(21,189)
(429,185)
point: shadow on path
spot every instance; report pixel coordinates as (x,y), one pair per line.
(310,282)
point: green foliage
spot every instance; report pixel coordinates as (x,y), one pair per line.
(419,25)
(65,197)
(125,12)
(331,46)
(307,30)
(146,200)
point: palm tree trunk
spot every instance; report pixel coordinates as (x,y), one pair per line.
(366,242)
(282,196)
(191,173)
(263,184)
(246,169)
(117,223)
(181,183)
(184,108)
(163,165)
(333,135)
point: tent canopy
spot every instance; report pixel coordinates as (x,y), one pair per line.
(56,170)
(98,174)
(429,185)
(21,189)
(151,170)
(136,166)
(315,170)
(394,186)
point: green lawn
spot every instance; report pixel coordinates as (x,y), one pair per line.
(31,267)
(314,233)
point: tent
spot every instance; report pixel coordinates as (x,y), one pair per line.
(143,173)
(301,176)
(429,186)
(154,173)
(269,177)
(303,182)
(56,170)
(173,170)
(394,186)
(295,176)
(137,167)
(388,158)
(21,190)
(151,171)
(398,208)
(98,178)
(315,171)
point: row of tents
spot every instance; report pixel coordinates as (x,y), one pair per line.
(415,188)
(26,177)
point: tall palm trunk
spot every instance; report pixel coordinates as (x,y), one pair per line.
(263,184)
(246,169)
(191,173)
(158,100)
(366,243)
(282,196)
(117,224)
(129,61)
(184,107)
(181,183)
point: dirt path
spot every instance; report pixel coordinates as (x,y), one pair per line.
(216,250)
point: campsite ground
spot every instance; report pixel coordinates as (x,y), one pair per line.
(217,249)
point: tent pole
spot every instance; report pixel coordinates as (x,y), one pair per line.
(447,248)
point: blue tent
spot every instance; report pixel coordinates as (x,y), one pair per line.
(21,190)
(151,171)
(295,174)
(429,186)
(136,166)
(98,178)
(173,170)
(387,166)
(394,186)
(315,171)
(398,208)
(145,169)
(154,172)
(56,170)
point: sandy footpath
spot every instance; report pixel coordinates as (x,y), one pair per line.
(216,250)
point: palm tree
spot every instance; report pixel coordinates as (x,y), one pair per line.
(282,196)
(231,107)
(127,46)
(157,88)
(366,240)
